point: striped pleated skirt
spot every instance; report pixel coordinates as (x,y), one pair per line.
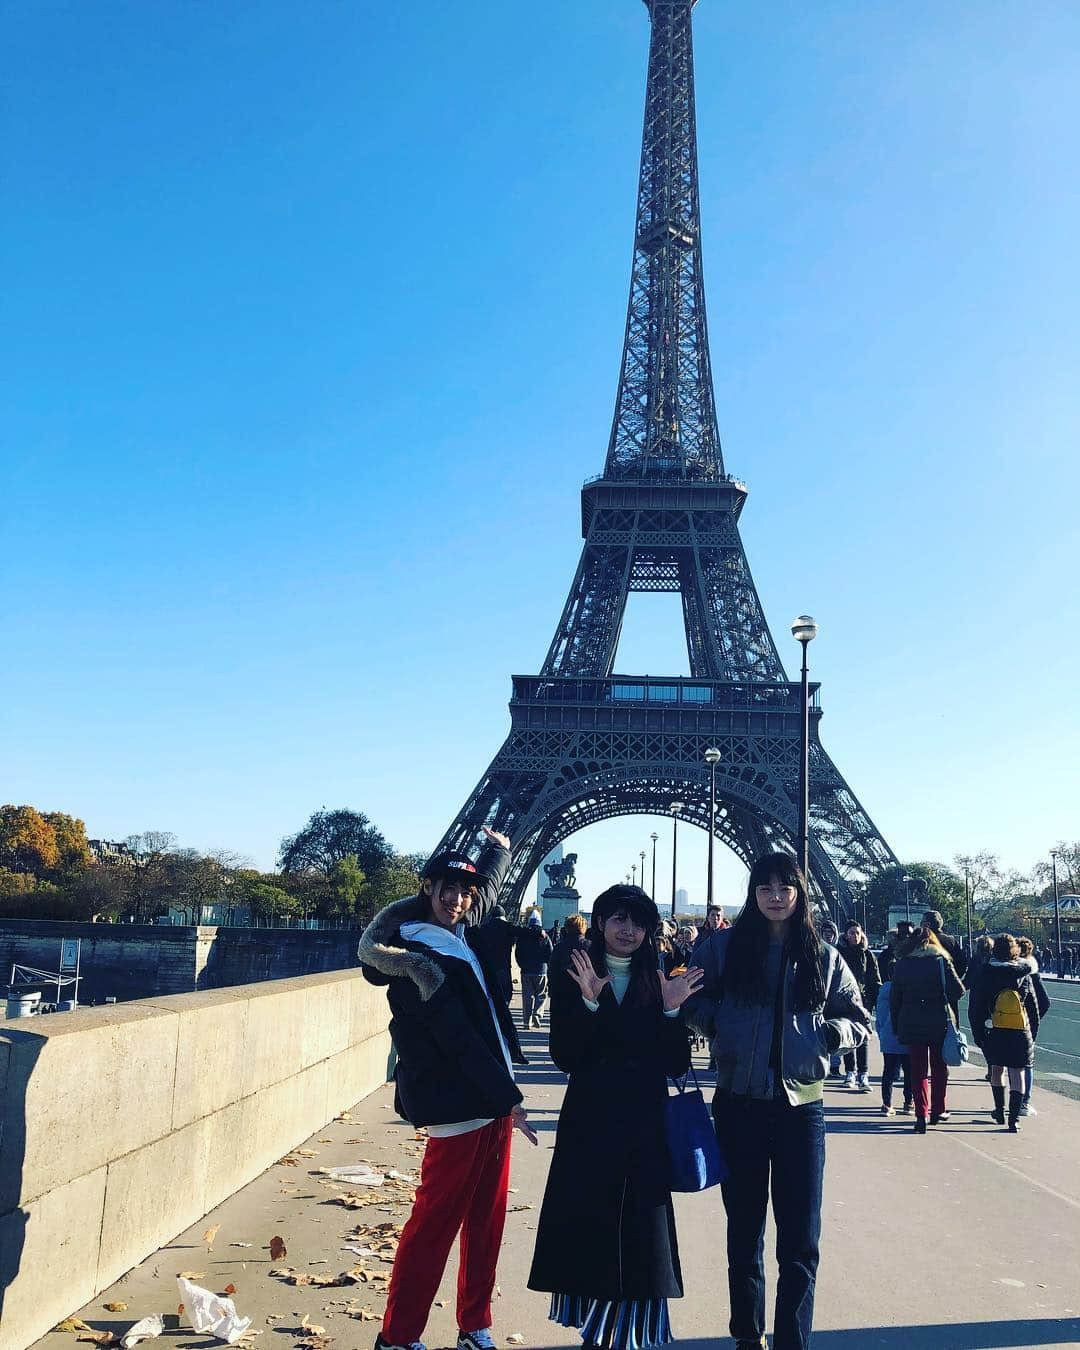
(624,1324)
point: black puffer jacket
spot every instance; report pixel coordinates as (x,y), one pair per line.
(450,1063)
(924,986)
(1010,1047)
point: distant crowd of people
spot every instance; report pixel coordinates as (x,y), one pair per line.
(780,1005)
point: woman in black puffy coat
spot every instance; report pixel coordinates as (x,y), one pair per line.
(998,999)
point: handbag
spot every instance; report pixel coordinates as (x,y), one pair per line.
(954,1048)
(694,1159)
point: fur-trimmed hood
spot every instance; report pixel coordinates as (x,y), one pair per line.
(383,949)
(1026,965)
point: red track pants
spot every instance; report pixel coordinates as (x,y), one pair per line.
(463,1184)
(926,1063)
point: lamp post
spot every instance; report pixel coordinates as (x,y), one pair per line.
(907,897)
(641,855)
(967,907)
(712,759)
(676,807)
(633,875)
(654,837)
(1057,917)
(804,630)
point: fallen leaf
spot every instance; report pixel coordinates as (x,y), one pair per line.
(278,1251)
(229,1289)
(101,1337)
(115,1307)
(311,1327)
(210,1234)
(517,1209)
(516,1339)
(71,1324)
(239,1244)
(179,1310)
(307,1152)
(190,1275)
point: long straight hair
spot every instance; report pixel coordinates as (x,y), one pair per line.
(643,990)
(748,946)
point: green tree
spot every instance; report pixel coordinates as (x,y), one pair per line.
(400,877)
(27,841)
(329,838)
(944,892)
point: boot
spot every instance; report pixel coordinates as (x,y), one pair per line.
(920,1124)
(1016,1100)
(999,1104)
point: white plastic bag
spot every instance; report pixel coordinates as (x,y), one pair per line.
(144,1330)
(211,1313)
(357,1175)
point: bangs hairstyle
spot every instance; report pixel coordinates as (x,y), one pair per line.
(644,987)
(748,946)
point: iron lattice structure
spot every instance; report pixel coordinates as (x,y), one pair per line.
(586,744)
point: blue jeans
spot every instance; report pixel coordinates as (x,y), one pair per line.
(772,1144)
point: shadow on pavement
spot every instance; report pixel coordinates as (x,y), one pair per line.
(941,1336)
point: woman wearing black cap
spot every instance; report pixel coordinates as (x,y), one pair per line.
(456,1046)
(606,1249)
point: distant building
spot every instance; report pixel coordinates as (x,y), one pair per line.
(682,900)
(110,851)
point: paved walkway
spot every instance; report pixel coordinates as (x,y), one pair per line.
(965,1239)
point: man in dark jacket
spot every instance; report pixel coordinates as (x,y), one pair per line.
(533,952)
(455,1042)
(894,948)
(953,949)
(494,943)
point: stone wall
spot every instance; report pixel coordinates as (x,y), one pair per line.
(129,961)
(121,1126)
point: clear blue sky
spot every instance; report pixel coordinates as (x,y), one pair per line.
(312,325)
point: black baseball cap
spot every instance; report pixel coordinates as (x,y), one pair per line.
(452,866)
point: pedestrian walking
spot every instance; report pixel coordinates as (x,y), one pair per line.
(455,1042)
(494,942)
(571,939)
(898,939)
(606,1247)
(924,988)
(855,950)
(952,948)
(532,951)
(714,920)
(775,1002)
(1036,1008)
(894,1054)
(998,1002)
(982,952)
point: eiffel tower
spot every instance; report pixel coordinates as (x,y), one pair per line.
(586,744)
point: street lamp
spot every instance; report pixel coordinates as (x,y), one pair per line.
(908,881)
(676,807)
(633,875)
(1057,917)
(968,895)
(712,759)
(654,837)
(804,630)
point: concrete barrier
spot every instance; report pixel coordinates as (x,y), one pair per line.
(123,1125)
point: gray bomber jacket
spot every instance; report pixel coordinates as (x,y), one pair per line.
(740,1035)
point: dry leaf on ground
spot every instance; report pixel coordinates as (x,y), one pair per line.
(311,1327)
(210,1234)
(517,1209)
(516,1339)
(115,1307)
(71,1324)
(278,1250)
(190,1275)
(101,1337)
(239,1244)
(229,1289)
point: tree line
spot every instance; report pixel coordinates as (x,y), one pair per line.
(338,867)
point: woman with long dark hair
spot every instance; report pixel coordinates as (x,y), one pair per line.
(775,1002)
(606,1249)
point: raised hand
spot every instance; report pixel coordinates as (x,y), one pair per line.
(496,837)
(678,988)
(585,977)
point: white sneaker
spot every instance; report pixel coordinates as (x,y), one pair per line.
(864,1082)
(1026,1110)
(849,1080)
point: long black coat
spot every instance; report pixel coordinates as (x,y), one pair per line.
(607,1227)
(863,965)
(1011,1047)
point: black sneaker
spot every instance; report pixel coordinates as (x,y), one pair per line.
(380,1344)
(475,1340)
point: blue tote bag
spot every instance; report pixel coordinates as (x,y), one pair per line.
(694,1157)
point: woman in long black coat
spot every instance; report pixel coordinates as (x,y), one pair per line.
(998,1000)
(606,1247)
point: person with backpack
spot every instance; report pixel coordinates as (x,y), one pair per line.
(606,1246)
(1036,1010)
(455,1043)
(998,1009)
(532,951)
(895,1056)
(924,988)
(775,1002)
(855,950)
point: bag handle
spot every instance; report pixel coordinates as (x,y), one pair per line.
(944,991)
(681,1083)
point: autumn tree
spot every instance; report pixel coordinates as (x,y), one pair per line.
(27,841)
(72,845)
